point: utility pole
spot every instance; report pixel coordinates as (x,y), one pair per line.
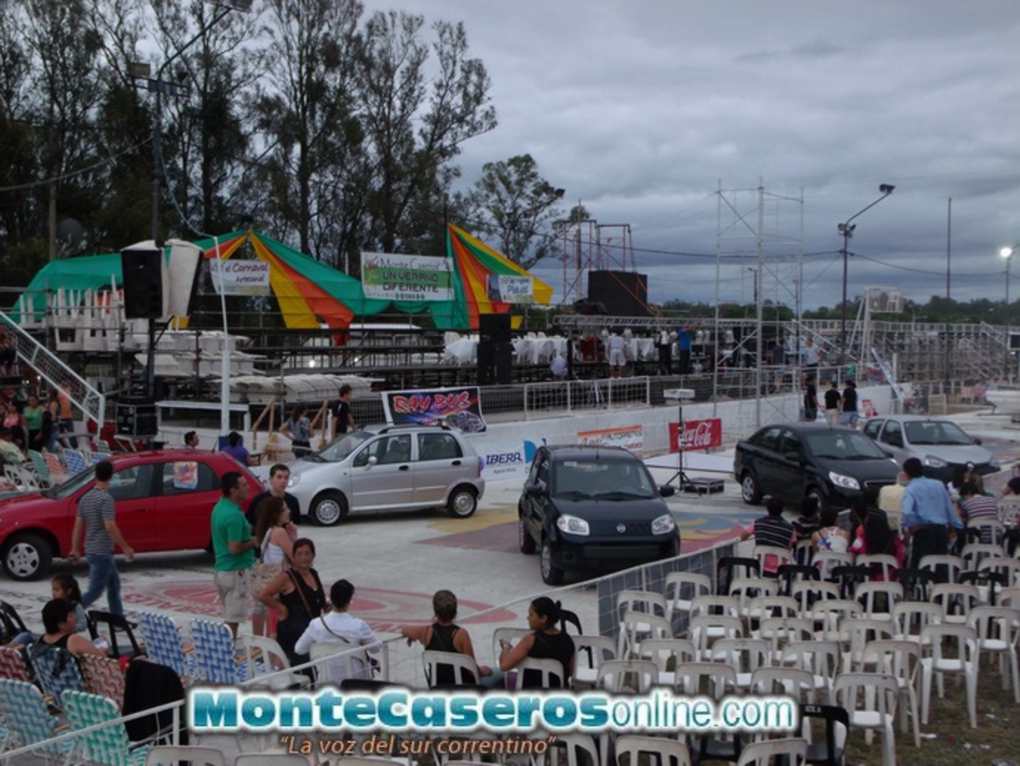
(949,257)
(757,302)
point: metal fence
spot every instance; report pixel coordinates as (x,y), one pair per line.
(593,601)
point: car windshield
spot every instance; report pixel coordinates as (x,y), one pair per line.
(843,445)
(935,432)
(603,479)
(72,485)
(340,448)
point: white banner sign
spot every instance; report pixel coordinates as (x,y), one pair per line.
(406,277)
(506,289)
(239,277)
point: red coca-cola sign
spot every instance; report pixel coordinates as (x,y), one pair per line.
(698,434)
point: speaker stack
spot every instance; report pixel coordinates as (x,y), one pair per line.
(495,351)
(143,283)
(622,293)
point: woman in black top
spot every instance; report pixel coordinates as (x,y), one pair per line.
(545,642)
(444,635)
(298,596)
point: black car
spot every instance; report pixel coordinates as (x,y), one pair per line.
(591,507)
(797,460)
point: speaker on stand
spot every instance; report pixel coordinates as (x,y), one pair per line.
(495,350)
(142,271)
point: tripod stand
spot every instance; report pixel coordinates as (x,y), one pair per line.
(680,477)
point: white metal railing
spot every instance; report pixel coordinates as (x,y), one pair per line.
(84,396)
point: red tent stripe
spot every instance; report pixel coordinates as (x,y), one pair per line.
(333,312)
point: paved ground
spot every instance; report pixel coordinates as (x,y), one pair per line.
(397,561)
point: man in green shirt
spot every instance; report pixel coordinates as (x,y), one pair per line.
(234,547)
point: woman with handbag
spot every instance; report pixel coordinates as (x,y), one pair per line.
(275,534)
(297,597)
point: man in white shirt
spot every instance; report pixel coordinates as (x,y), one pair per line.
(558,367)
(617,359)
(343,630)
(890,500)
(810,353)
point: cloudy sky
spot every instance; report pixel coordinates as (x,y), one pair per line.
(641,108)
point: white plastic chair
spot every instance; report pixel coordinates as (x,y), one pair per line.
(998,631)
(670,752)
(953,565)
(746,589)
(764,607)
(1010,597)
(807,593)
(589,653)
(768,751)
(826,561)
(974,553)
(862,631)
(264,655)
(871,593)
(167,755)
(762,553)
(746,655)
(910,618)
(780,631)
(574,744)
(993,531)
(833,614)
(640,601)
(728,606)
(289,759)
(821,658)
(882,561)
(1005,566)
(880,693)
(465,669)
(511,635)
(964,662)
(662,651)
(792,682)
(635,628)
(721,676)
(614,675)
(681,588)
(956,601)
(548,669)
(707,628)
(902,661)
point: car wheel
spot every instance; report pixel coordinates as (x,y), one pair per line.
(524,538)
(27,557)
(819,498)
(329,508)
(749,489)
(551,574)
(463,502)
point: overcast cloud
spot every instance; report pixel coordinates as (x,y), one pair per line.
(640,108)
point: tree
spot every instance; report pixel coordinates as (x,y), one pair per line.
(514,203)
(414,127)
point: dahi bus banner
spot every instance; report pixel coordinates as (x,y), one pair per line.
(406,277)
(459,408)
(239,277)
(506,289)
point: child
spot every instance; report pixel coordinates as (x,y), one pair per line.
(62,586)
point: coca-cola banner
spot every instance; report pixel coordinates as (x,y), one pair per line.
(698,434)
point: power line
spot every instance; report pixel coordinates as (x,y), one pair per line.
(57,179)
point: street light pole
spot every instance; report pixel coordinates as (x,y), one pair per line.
(1007,254)
(847,230)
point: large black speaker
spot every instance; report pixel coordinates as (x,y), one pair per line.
(143,283)
(494,327)
(137,417)
(623,293)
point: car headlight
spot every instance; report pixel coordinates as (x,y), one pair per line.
(663,524)
(846,482)
(933,462)
(572,525)
(293,481)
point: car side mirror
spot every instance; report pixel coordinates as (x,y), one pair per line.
(667,490)
(372,460)
(977,440)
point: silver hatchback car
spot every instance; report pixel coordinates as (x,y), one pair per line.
(389,468)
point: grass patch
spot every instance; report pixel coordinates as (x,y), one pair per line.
(995,739)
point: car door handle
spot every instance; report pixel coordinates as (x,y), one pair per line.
(404,468)
(455,462)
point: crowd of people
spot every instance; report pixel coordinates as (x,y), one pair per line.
(916,517)
(840,407)
(28,423)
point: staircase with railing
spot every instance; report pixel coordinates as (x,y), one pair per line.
(56,373)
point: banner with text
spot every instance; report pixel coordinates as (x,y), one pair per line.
(239,277)
(406,277)
(506,289)
(628,437)
(459,408)
(698,434)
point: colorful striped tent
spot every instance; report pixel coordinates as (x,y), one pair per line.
(474,262)
(310,293)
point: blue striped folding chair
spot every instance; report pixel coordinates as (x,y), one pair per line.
(216,654)
(109,745)
(27,720)
(56,671)
(75,461)
(163,644)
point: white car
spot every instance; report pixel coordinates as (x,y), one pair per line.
(389,468)
(941,445)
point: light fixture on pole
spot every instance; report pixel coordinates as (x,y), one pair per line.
(846,229)
(1006,253)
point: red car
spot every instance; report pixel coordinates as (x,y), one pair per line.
(164,500)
